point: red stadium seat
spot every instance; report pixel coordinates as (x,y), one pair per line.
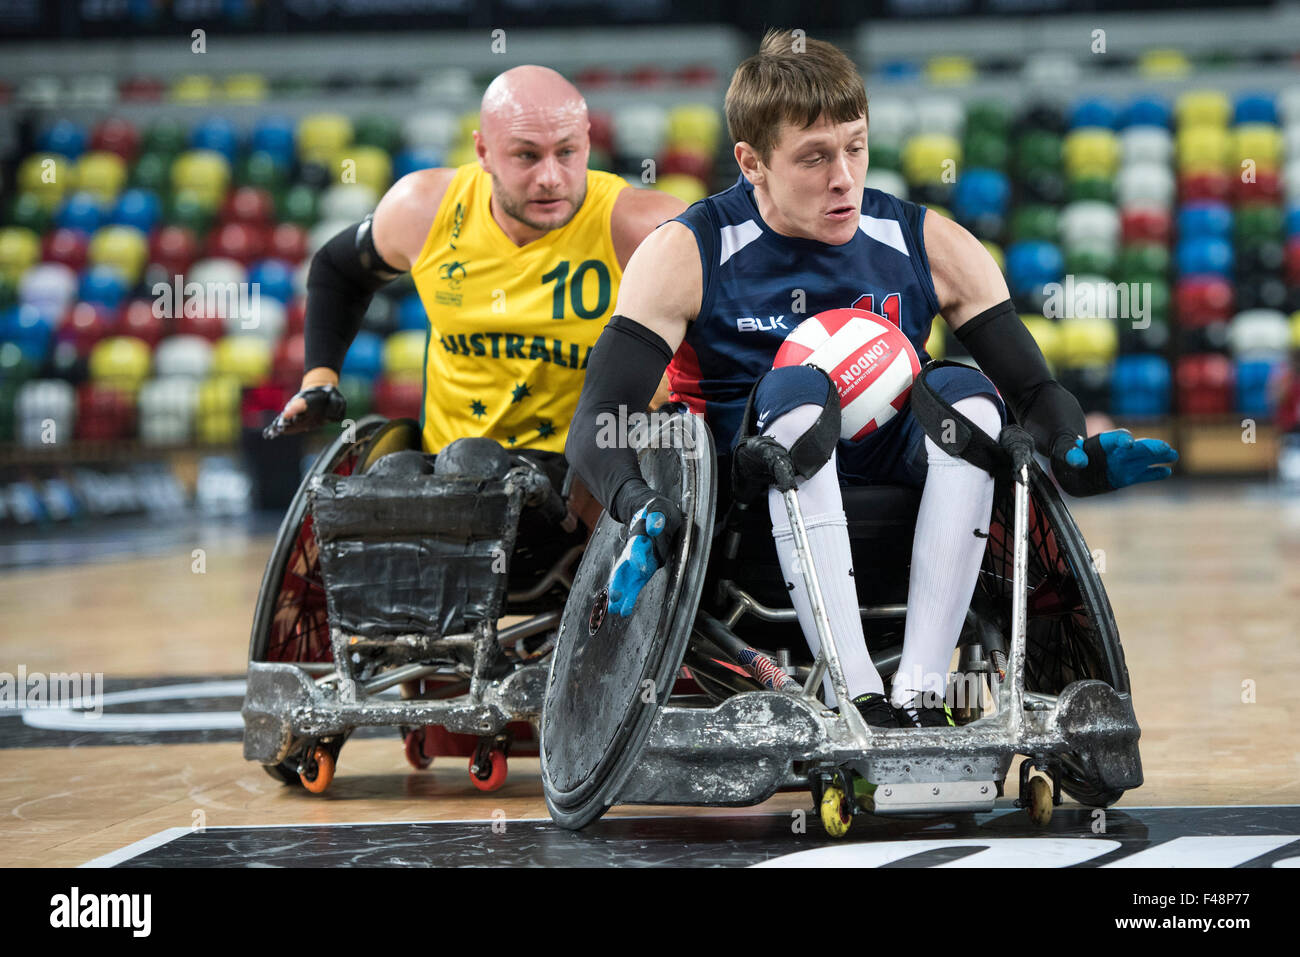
(648,75)
(211,328)
(594,77)
(248,204)
(295,316)
(686,162)
(699,74)
(1216,187)
(67,246)
(288,242)
(85,324)
(1205,384)
(287,361)
(1202,300)
(397,398)
(1293,261)
(116,135)
(1145,225)
(104,413)
(139,320)
(1267,188)
(602,132)
(142,89)
(238,241)
(174,248)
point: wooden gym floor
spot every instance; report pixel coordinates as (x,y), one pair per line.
(1204,580)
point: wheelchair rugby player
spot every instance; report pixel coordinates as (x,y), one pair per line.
(794,328)
(408,540)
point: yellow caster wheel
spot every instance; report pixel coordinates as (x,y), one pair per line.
(836,812)
(1040,801)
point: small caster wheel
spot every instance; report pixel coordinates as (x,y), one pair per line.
(488,773)
(319,770)
(836,812)
(1040,801)
(419,750)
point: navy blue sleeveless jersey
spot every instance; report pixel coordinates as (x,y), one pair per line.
(756,279)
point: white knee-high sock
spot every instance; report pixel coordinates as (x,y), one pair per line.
(822,506)
(951,531)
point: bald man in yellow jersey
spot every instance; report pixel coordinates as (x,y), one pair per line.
(517,259)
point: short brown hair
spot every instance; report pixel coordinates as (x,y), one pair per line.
(778,85)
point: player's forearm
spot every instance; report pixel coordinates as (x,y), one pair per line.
(623,373)
(344,275)
(1009,356)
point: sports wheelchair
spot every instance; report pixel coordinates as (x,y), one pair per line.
(379,582)
(1039,659)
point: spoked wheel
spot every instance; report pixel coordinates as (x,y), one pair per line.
(1071,632)
(291,623)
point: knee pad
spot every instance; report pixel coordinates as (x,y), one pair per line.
(478,458)
(405,462)
(777,392)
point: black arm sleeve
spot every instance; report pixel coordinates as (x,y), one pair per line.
(1009,356)
(624,371)
(344,275)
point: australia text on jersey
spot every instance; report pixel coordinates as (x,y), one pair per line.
(509,345)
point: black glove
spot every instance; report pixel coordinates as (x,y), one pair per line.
(325,403)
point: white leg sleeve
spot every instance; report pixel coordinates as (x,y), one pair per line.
(951,529)
(828,537)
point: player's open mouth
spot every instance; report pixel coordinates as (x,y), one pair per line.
(840,213)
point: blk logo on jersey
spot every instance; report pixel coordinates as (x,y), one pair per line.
(761,324)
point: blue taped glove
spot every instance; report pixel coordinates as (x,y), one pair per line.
(651,534)
(1109,461)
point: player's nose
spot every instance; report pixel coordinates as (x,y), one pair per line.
(841,175)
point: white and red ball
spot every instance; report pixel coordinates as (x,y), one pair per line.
(871,362)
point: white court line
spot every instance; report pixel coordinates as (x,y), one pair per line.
(113,858)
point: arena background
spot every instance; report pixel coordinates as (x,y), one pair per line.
(225,141)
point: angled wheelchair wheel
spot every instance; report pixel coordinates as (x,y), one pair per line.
(290,621)
(1071,630)
(609,673)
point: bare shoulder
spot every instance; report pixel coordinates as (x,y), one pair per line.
(967,280)
(635,215)
(663,284)
(406,213)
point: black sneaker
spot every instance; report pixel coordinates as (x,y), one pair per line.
(875,710)
(916,714)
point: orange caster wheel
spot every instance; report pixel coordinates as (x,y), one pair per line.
(488,773)
(419,748)
(319,772)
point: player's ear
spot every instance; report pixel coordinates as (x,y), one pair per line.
(480,150)
(749,163)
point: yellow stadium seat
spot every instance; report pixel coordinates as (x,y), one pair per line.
(996,252)
(1086,342)
(950,70)
(124,248)
(206,173)
(245,358)
(404,355)
(461,155)
(195,88)
(245,87)
(1090,152)
(1295,329)
(694,125)
(686,188)
(1164,64)
(931,158)
(1203,149)
(1203,108)
(102,174)
(936,343)
(1046,333)
(322,135)
(121,362)
(19,249)
(370,166)
(48,176)
(217,418)
(1260,142)
(466,124)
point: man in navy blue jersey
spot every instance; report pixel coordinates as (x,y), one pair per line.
(712,294)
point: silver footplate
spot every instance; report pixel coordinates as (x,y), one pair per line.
(901,796)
